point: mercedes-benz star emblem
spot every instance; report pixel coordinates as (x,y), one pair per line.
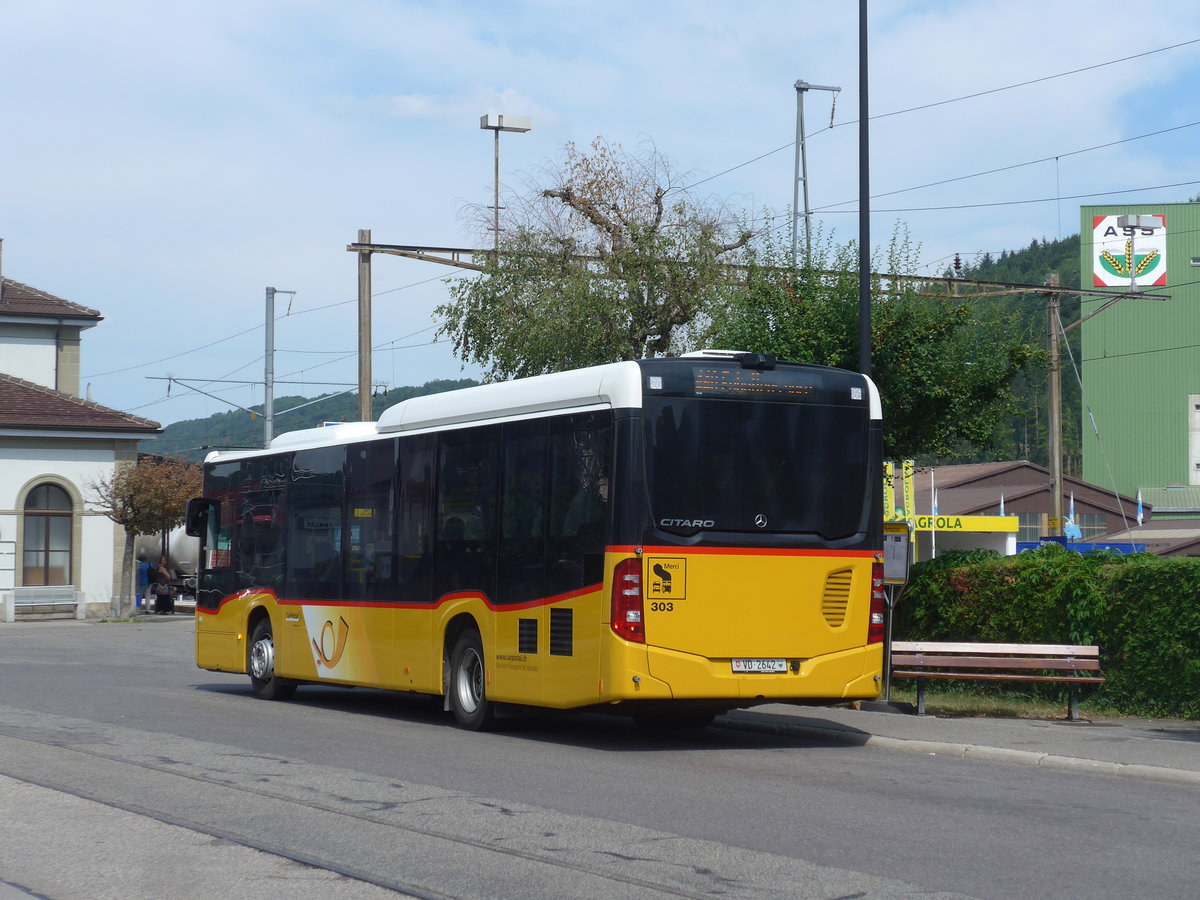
(760,520)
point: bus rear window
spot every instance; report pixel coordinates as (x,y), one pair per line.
(730,465)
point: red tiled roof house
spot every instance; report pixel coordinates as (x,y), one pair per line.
(53,444)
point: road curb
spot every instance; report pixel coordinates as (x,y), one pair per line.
(1031,758)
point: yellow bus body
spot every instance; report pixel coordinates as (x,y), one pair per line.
(704,608)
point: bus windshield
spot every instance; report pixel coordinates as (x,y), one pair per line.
(735,465)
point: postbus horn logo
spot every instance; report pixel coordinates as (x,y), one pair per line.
(331,643)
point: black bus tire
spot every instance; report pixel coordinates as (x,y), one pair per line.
(468,684)
(260,664)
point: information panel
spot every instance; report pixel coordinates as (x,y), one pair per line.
(757,384)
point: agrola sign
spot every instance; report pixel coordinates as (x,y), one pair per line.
(1128,255)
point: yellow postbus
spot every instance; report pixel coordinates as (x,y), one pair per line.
(670,538)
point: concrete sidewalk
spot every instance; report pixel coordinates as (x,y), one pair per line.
(1163,750)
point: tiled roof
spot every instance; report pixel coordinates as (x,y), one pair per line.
(24,404)
(22,300)
(975,489)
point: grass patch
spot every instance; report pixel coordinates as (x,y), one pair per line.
(967,701)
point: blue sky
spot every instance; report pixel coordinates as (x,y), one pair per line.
(165,163)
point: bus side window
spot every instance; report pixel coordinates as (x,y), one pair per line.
(580,447)
(520,565)
(316,502)
(466,511)
(415,470)
(371,514)
(224,484)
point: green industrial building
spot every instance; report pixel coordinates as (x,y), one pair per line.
(1140,357)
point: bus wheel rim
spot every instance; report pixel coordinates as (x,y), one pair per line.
(262,658)
(470,681)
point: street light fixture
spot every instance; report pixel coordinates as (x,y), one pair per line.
(801,176)
(499,123)
(1134,224)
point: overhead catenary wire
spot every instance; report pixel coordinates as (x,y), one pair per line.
(168,397)
(972,96)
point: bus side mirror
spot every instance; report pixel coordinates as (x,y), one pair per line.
(196,518)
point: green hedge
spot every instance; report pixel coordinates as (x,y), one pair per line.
(1142,611)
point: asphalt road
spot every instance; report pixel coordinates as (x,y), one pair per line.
(126,771)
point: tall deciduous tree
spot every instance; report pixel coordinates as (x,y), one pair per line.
(944,366)
(611,261)
(148,497)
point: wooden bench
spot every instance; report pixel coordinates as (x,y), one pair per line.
(924,660)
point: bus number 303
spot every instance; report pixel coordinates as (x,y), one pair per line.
(662,606)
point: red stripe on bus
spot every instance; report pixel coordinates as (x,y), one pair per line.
(668,550)
(378,604)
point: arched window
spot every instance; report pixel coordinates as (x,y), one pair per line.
(47,556)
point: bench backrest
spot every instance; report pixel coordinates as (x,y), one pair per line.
(1077,650)
(1069,657)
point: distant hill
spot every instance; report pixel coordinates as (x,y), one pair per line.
(1027,433)
(1030,265)
(192,439)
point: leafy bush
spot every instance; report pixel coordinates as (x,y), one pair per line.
(1142,611)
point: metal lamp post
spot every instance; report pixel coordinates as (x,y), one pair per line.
(499,123)
(1134,223)
(801,176)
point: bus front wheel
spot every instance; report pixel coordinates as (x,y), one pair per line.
(261,665)
(468,690)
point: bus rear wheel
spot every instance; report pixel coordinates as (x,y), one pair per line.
(468,684)
(261,665)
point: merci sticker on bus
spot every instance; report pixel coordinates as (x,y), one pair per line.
(667,577)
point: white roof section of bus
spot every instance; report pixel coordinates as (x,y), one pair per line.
(617,385)
(341,433)
(305,438)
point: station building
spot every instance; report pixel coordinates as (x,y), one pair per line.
(56,552)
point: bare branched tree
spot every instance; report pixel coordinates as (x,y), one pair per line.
(607,259)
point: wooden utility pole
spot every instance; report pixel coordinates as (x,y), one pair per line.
(1055,404)
(364,327)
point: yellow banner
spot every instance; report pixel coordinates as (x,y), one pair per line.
(967,523)
(891,511)
(910,503)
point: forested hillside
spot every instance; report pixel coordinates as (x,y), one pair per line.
(1027,437)
(193,438)
(1032,264)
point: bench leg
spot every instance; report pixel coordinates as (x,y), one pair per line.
(920,696)
(1073,705)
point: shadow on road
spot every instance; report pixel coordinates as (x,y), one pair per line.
(597,730)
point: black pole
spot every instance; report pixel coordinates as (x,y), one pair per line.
(864,201)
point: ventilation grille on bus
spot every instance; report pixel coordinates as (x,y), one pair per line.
(561,640)
(527,635)
(836,597)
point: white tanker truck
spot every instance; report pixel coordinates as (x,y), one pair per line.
(183,558)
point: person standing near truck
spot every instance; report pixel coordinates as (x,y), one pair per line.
(145,573)
(164,601)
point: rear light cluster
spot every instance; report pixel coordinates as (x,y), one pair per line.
(627,604)
(875,628)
